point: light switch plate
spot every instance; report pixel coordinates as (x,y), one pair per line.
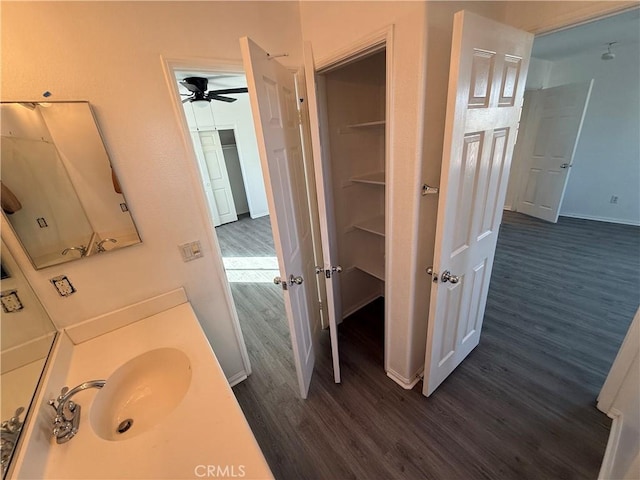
(190,251)
(63,285)
(10,301)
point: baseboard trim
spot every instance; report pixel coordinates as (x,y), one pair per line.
(237,378)
(600,219)
(405,383)
(254,215)
(612,444)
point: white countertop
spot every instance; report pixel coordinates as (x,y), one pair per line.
(205,436)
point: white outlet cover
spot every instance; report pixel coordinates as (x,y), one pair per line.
(63,286)
(10,301)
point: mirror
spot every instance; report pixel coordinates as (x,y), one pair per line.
(59,193)
(27,334)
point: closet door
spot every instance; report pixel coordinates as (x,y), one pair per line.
(273,105)
(218,176)
(489,63)
(325,207)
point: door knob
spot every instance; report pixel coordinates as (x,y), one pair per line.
(447,277)
(297,280)
(565,165)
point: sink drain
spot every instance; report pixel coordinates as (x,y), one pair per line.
(124,425)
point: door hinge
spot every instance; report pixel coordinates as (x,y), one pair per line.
(320,305)
(328,273)
(429,190)
(430,271)
(279,281)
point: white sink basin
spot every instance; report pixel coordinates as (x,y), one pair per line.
(140,393)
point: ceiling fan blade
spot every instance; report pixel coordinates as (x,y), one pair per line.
(225,91)
(190,87)
(221,98)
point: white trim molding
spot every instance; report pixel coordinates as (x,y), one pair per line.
(596,218)
(404,382)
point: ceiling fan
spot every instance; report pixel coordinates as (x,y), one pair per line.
(198,88)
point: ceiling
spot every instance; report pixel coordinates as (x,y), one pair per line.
(623,28)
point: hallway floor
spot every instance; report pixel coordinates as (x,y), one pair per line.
(521,406)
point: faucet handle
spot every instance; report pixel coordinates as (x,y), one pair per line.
(63,392)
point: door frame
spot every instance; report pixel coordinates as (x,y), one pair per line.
(374,42)
(169,66)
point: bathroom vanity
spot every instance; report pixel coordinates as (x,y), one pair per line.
(182,419)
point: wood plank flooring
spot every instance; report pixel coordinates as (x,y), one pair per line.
(246,238)
(521,406)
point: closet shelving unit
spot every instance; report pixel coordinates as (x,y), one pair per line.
(355,96)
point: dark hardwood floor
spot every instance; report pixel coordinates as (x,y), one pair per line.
(521,406)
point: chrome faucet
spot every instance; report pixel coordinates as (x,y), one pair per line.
(80,248)
(9,432)
(100,246)
(67,420)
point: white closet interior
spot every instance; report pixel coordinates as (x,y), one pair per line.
(352,115)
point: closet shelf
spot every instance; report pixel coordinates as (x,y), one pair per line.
(359,126)
(376,178)
(372,266)
(367,124)
(372,225)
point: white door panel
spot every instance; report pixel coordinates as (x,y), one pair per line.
(206,181)
(549,138)
(274,108)
(218,176)
(322,319)
(489,63)
(325,208)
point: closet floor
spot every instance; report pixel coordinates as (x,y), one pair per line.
(521,406)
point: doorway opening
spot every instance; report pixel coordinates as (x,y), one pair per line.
(224,141)
(352,106)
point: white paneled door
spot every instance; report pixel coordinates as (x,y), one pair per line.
(489,63)
(325,208)
(275,114)
(550,136)
(218,176)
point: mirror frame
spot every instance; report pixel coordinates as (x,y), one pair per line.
(115,181)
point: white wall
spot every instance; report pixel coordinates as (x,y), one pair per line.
(607,159)
(538,75)
(110,54)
